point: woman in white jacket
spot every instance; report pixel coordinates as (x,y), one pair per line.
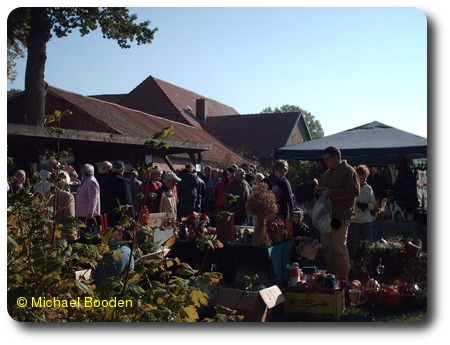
(360,228)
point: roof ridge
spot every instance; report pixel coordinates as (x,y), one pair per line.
(119,96)
(192,117)
(194,93)
(294,114)
(108,94)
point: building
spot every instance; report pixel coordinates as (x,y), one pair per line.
(110,127)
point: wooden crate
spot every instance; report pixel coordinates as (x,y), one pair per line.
(326,302)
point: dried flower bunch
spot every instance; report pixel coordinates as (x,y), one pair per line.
(262,202)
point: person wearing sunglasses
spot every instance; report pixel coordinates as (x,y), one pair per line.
(340,183)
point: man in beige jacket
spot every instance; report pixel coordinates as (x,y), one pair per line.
(341,184)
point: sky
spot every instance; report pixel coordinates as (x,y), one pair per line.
(347,69)
(346,66)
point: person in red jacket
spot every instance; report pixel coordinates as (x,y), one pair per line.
(219,191)
(150,185)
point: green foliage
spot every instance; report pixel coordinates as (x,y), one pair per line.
(55,119)
(231,198)
(223,215)
(397,263)
(15,50)
(162,290)
(13,92)
(249,281)
(115,22)
(37,267)
(298,170)
(390,247)
(208,242)
(157,143)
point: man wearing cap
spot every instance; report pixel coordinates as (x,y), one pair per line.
(115,192)
(238,186)
(165,197)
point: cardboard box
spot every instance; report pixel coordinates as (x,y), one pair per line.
(329,303)
(254,306)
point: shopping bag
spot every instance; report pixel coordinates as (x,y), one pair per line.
(321,214)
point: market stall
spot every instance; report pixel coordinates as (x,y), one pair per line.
(373,144)
(269,262)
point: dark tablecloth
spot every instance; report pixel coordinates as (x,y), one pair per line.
(273,260)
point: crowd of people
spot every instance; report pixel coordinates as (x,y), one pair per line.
(355,193)
(101,191)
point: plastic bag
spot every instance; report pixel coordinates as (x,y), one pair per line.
(321,214)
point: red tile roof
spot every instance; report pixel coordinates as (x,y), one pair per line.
(256,135)
(136,123)
(262,132)
(160,98)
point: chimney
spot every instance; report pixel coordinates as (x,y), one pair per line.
(200,109)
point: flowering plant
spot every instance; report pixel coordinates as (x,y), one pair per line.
(194,225)
(196,220)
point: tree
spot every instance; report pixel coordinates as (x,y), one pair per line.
(314,126)
(33,27)
(15,50)
(13,92)
(299,169)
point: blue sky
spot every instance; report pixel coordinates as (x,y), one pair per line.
(346,66)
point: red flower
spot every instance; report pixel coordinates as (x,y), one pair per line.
(196,220)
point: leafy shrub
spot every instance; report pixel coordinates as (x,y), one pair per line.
(41,268)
